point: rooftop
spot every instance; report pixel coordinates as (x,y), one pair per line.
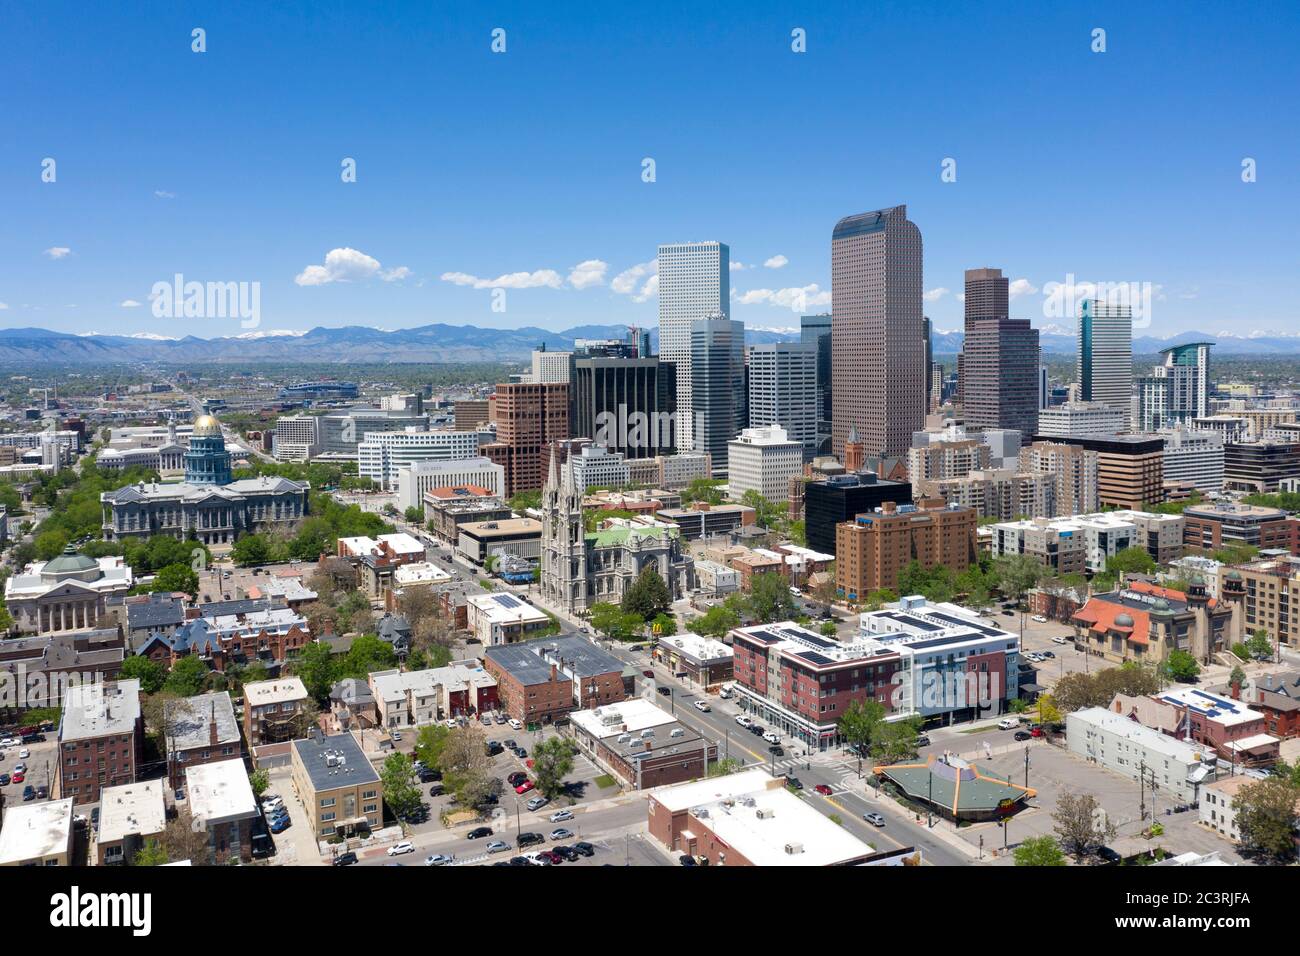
(501,526)
(1222,710)
(136,809)
(98,710)
(220,792)
(628,716)
(34,831)
(954,784)
(1146,737)
(190,720)
(334,762)
(697,647)
(529,662)
(278,691)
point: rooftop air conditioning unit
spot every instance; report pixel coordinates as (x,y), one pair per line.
(794,849)
(767,813)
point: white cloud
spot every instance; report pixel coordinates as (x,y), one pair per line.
(3,306)
(739,266)
(934,295)
(777,261)
(795,297)
(348,265)
(130,304)
(164,194)
(649,289)
(1019,287)
(548,278)
(626,282)
(587,273)
(58,252)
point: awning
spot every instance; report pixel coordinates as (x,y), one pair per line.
(1255,742)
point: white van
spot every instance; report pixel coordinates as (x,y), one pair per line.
(1008,723)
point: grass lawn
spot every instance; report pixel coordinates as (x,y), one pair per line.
(605,781)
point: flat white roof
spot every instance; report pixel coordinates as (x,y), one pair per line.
(402,543)
(219,792)
(773,827)
(98,710)
(135,809)
(420,572)
(686,795)
(34,831)
(1215,707)
(1253,742)
(278,691)
(698,647)
(627,716)
(501,607)
(1152,740)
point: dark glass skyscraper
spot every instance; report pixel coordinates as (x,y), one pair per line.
(1000,358)
(816,330)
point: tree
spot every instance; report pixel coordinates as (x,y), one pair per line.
(724,767)
(1266,817)
(400,792)
(895,741)
(414,515)
(1081,824)
(1131,561)
(829,629)
(1180,665)
(1259,646)
(1039,851)
(187,677)
(664,625)
(151,854)
(186,839)
(552,761)
(716,622)
(1048,713)
(1237,677)
(367,654)
(466,767)
(429,744)
(648,596)
(259,780)
(149,673)
(769,598)
(614,622)
(251,549)
(879,598)
(703,489)
(315,665)
(859,723)
(1017,574)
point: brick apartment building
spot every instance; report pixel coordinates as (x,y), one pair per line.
(199,730)
(101,739)
(529,416)
(543,680)
(272,709)
(1209,527)
(873,548)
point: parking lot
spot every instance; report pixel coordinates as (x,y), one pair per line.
(40,763)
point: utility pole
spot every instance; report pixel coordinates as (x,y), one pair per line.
(1026,766)
(1142,790)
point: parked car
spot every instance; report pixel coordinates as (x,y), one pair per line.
(515,724)
(685,860)
(24,753)
(279,825)
(743,720)
(757,730)
(875,819)
(524,787)
(772,737)
(345,859)
(823,789)
(1035,731)
(582,848)
(703,706)
(561,833)
(19,776)
(649,674)
(478,833)
(537,802)
(497,846)
(794,782)
(398,849)
(666,691)
(1039,619)
(1008,723)
(4,779)
(521,753)
(1060,640)
(560,816)
(566,852)
(438,859)
(29,793)
(499,718)
(516,778)
(922,741)
(1022,735)
(550,857)
(1107,855)
(776,750)
(397,735)
(530,839)
(1047,654)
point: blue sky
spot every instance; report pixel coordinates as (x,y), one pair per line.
(1123,166)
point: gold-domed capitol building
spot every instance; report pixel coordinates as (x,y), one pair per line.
(209,505)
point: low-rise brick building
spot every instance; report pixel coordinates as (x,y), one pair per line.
(542,680)
(101,738)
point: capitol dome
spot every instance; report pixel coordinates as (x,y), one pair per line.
(206,425)
(71,565)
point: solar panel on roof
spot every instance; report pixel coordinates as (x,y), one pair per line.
(814,658)
(506,600)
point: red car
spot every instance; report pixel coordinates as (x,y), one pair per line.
(524,787)
(647,673)
(823,789)
(18,777)
(552,857)
(1035,731)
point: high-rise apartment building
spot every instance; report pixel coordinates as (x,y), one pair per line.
(1194,458)
(1075,470)
(383,454)
(717,395)
(1105,355)
(1178,389)
(879,373)
(529,416)
(783,391)
(763,460)
(297,438)
(874,548)
(1000,358)
(694,282)
(550,367)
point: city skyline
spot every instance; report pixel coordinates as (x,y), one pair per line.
(187,165)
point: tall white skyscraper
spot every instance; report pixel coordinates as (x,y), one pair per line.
(694,282)
(783,390)
(1105,364)
(550,367)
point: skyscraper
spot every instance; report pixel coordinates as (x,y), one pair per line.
(717,370)
(625,403)
(1000,358)
(694,282)
(878,379)
(1177,390)
(1105,364)
(783,391)
(816,330)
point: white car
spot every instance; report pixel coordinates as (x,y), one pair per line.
(772,737)
(24,753)
(1039,619)
(1008,723)
(702,706)
(438,859)
(397,849)
(743,720)
(515,724)
(560,816)
(1060,640)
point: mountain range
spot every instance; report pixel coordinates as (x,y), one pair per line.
(465,343)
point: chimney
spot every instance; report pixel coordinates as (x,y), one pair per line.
(212,726)
(554,673)
(329,627)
